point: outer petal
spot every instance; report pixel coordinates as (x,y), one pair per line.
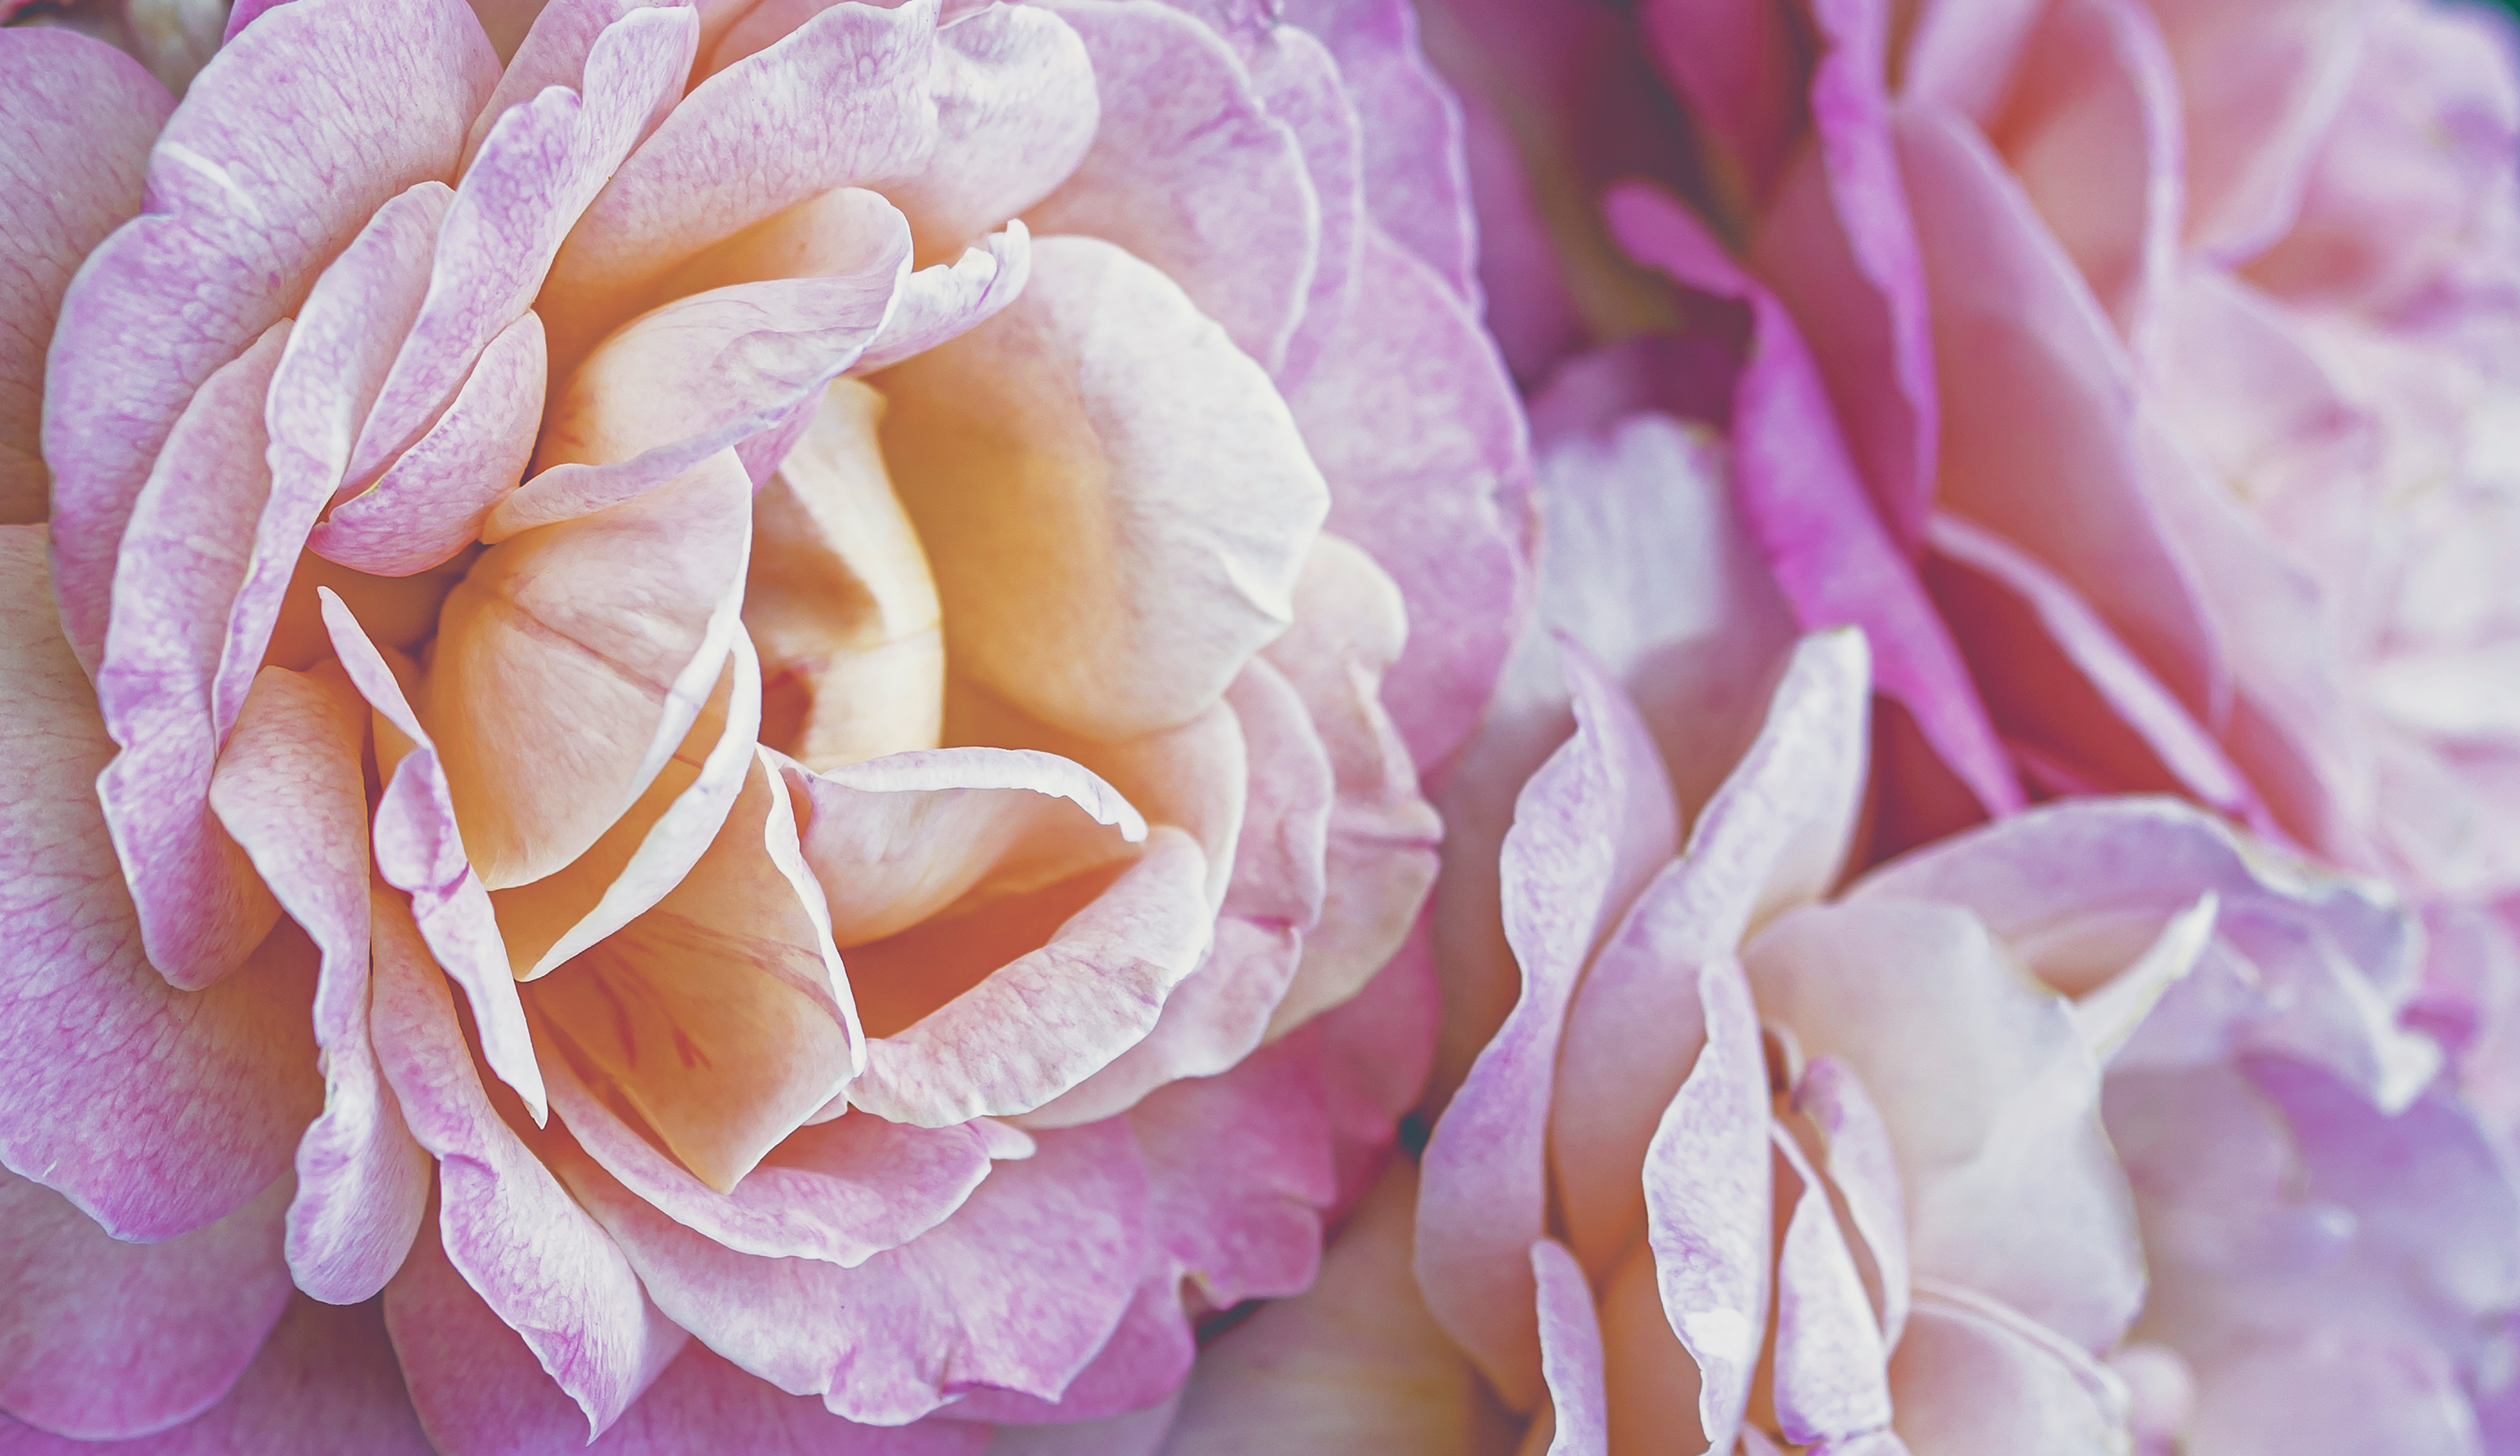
(1975,1379)
(1588,829)
(248,203)
(155,1111)
(104,1339)
(1829,1366)
(81,116)
(1571,1353)
(1016,110)
(1831,554)
(1186,153)
(1412,419)
(703,1403)
(1238,1172)
(324,1382)
(1356,1365)
(548,1269)
(290,789)
(1051,421)
(1016,1291)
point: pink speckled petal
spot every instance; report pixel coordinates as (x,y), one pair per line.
(1829,1362)
(1590,827)
(650,848)
(1016,108)
(945,300)
(323,1382)
(420,850)
(1414,174)
(102,1340)
(1213,1020)
(719,1017)
(549,1271)
(80,115)
(610,631)
(1837,245)
(251,193)
(1571,1353)
(1238,1172)
(1141,1363)
(195,1105)
(2035,380)
(2084,712)
(839,1191)
(1975,1379)
(1186,153)
(1354,1366)
(757,138)
(1094,410)
(1708,1195)
(702,1402)
(431,501)
(1412,420)
(553,50)
(476,1386)
(1379,856)
(290,789)
(787,307)
(1776,833)
(202,907)
(539,166)
(1834,559)
(1016,1291)
(1991,1095)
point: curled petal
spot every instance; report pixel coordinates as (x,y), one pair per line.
(1571,1353)
(1973,1378)
(1016,108)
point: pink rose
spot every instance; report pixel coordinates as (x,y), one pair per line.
(2086,1131)
(729,696)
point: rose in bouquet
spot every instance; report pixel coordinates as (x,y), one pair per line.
(729,696)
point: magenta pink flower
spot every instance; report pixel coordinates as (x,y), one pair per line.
(729,696)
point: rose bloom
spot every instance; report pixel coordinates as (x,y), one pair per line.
(768,798)
(2141,376)
(2091,1130)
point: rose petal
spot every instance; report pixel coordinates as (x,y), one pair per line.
(1737,70)
(1137,1367)
(202,908)
(419,850)
(104,1339)
(1589,826)
(1830,1365)
(1975,1379)
(1053,420)
(1239,1171)
(547,1268)
(290,789)
(702,1402)
(1186,153)
(1571,1353)
(1016,109)
(81,114)
(1016,1291)
(249,202)
(1862,1165)
(2278,75)
(155,1111)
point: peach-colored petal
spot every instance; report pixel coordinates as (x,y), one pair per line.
(81,116)
(1186,153)
(419,851)
(104,1339)
(650,848)
(838,597)
(252,194)
(1054,422)
(431,501)
(573,660)
(290,789)
(719,1016)
(840,1191)
(1355,1365)
(755,138)
(1016,108)
(202,907)
(1379,864)
(1651,1385)
(504,1220)
(1589,827)
(155,1111)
